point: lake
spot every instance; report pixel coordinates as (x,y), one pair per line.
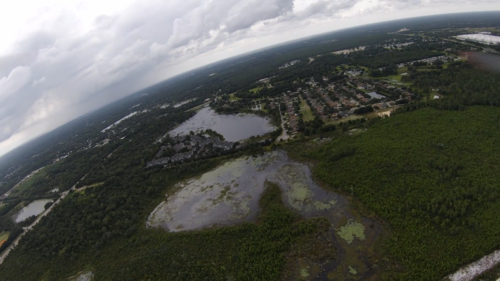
(230,193)
(33,209)
(233,127)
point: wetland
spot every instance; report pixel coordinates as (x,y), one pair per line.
(230,193)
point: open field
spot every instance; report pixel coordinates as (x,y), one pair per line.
(307,114)
(196,108)
(370,115)
(3,237)
(256,89)
(232,97)
(28,183)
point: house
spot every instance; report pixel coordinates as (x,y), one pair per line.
(157,162)
(181,156)
(436,97)
(343,113)
(226,145)
(178,147)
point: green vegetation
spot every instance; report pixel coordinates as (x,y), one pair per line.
(352,270)
(243,252)
(232,97)
(213,133)
(429,174)
(3,236)
(490,275)
(307,114)
(256,89)
(352,230)
(432,176)
(28,184)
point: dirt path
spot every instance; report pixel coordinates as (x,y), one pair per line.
(472,270)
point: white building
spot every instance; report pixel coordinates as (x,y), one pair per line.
(481,38)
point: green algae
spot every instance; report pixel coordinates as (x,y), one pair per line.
(299,192)
(229,193)
(322,206)
(352,270)
(351,230)
(304,272)
(222,195)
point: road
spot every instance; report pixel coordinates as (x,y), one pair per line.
(46,212)
(6,194)
(284,136)
(472,270)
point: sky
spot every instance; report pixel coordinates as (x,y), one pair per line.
(60,59)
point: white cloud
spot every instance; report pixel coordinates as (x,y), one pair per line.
(39,81)
(17,78)
(71,51)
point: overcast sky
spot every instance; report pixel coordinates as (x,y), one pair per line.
(60,59)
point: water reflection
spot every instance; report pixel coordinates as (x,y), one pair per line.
(234,127)
(33,209)
(230,194)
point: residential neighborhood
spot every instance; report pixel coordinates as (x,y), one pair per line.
(185,148)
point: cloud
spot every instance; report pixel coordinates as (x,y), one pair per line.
(39,81)
(17,78)
(80,55)
(252,12)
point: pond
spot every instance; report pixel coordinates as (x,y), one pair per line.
(233,127)
(230,194)
(33,209)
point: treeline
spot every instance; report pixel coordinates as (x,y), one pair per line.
(243,252)
(458,86)
(431,175)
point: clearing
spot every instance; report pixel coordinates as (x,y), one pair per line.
(3,237)
(307,114)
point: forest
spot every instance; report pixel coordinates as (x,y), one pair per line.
(431,176)
(428,173)
(244,252)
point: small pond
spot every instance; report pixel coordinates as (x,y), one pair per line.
(33,209)
(233,127)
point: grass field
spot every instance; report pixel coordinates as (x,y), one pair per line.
(256,89)
(374,114)
(27,184)
(232,97)
(196,108)
(3,237)
(307,114)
